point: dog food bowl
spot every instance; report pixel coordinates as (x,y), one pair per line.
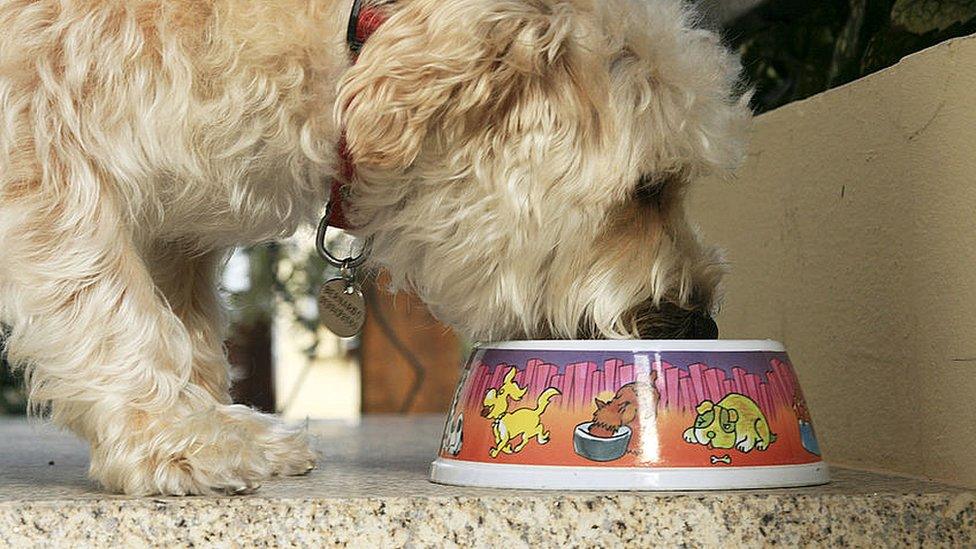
(601,448)
(629,415)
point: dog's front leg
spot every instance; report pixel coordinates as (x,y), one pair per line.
(109,358)
(189,281)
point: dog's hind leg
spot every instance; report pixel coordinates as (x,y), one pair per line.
(543,436)
(526,437)
(539,433)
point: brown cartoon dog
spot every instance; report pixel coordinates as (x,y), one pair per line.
(631,401)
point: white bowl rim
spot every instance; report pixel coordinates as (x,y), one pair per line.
(582,429)
(637,345)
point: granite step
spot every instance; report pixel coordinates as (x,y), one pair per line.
(371,490)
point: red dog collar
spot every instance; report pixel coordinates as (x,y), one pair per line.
(363,21)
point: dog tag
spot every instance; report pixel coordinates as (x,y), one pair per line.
(342,308)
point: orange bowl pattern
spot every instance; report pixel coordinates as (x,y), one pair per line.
(640,407)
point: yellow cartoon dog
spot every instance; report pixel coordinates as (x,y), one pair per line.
(508,426)
(496,401)
(735,421)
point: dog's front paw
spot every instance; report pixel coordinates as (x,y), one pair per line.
(744,446)
(227,449)
(285,448)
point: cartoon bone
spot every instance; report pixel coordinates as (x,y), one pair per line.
(726,459)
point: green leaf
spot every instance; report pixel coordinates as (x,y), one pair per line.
(924,16)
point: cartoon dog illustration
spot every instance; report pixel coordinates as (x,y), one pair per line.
(735,421)
(616,424)
(633,400)
(808,437)
(496,401)
(454,436)
(524,422)
(611,415)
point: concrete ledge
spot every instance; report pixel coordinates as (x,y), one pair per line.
(850,237)
(372,491)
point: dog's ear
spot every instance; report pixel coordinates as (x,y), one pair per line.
(510,375)
(461,66)
(599,403)
(518,392)
(705,406)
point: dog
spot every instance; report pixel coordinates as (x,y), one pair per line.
(633,401)
(735,421)
(522,424)
(627,404)
(518,164)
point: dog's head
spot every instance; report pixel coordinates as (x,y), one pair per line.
(496,401)
(621,410)
(630,400)
(520,164)
(715,426)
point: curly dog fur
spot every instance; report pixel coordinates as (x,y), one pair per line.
(520,165)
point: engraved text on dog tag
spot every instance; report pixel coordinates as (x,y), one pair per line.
(342,308)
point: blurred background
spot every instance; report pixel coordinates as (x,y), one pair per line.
(404,362)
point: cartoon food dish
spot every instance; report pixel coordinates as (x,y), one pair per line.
(808,437)
(601,448)
(734,422)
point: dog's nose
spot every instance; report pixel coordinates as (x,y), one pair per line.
(710,435)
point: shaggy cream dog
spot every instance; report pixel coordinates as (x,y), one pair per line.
(520,165)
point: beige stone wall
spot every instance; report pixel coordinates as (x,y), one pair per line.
(851,236)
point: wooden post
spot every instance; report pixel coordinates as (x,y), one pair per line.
(410,362)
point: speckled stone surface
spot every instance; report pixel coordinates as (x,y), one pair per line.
(372,490)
